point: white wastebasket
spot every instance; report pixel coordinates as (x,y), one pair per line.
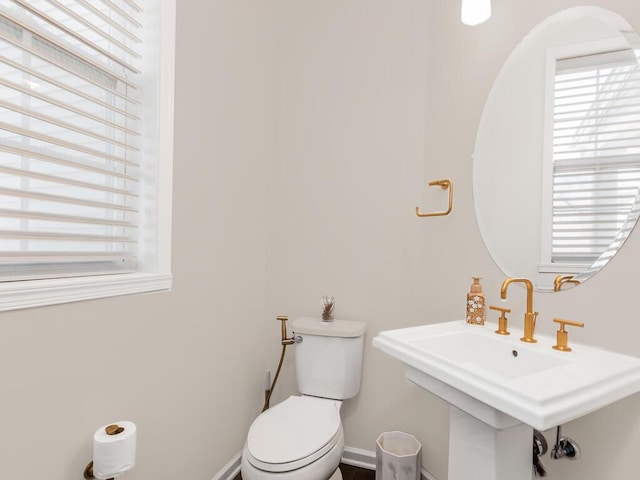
(397,456)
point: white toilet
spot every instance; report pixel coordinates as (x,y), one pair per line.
(302,438)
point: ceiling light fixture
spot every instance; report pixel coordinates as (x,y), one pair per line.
(474,12)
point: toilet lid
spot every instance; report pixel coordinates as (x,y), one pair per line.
(294,429)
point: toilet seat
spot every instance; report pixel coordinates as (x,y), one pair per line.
(294,433)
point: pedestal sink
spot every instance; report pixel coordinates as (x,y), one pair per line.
(500,389)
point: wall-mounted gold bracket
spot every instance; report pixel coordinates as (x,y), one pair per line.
(444,184)
(285,339)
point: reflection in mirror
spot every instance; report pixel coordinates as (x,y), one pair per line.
(557,156)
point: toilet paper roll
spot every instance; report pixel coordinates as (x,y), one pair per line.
(114,454)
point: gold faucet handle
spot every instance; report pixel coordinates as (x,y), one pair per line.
(562,337)
(502,320)
(500,309)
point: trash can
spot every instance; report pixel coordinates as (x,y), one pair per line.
(397,456)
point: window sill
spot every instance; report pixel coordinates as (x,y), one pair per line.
(39,293)
(563,268)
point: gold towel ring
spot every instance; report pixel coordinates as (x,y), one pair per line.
(444,184)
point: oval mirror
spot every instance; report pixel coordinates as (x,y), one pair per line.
(556,165)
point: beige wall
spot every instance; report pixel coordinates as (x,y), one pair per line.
(375,98)
(185,366)
(305,134)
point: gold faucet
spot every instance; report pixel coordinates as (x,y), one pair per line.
(560,280)
(530,316)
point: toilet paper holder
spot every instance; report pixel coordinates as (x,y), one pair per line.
(109,430)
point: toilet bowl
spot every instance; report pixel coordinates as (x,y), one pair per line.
(301,438)
(298,439)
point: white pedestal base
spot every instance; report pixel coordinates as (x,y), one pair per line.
(478,451)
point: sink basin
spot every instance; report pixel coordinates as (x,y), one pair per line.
(503,381)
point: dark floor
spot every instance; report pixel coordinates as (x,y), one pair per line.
(355,473)
(348,473)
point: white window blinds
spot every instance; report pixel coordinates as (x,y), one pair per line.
(596,154)
(70,164)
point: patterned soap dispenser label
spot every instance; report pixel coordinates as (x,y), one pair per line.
(475,303)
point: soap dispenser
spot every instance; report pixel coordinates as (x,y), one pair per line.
(475,303)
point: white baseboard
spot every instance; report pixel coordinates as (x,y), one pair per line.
(359,458)
(350,456)
(230,470)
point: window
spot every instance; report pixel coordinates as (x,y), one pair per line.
(86,125)
(595,156)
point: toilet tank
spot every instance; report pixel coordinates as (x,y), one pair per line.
(328,361)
